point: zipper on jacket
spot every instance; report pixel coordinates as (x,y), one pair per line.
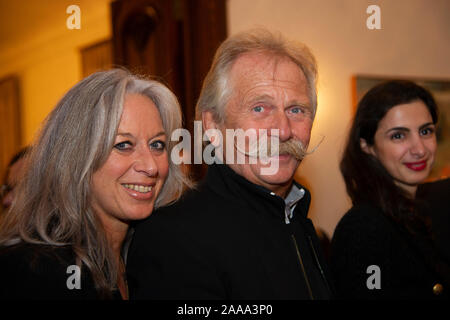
(300,260)
(319,265)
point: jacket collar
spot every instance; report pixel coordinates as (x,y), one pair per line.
(226,182)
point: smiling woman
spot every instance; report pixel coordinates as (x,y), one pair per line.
(99,163)
(126,185)
(405,144)
(389,153)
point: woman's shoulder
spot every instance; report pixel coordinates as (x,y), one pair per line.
(35,256)
(34,271)
(362,215)
(364,225)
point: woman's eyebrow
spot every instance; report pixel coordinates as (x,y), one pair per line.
(426,125)
(407,129)
(125,134)
(161,133)
(397,129)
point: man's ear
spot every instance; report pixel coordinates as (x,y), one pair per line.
(209,123)
(208,120)
(366,148)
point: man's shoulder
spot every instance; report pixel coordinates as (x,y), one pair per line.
(196,208)
(193,204)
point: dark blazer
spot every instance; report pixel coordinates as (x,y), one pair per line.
(437,197)
(366,237)
(29,271)
(227,240)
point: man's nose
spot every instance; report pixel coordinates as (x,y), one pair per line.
(283,124)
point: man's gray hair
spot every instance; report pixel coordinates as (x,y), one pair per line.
(216,89)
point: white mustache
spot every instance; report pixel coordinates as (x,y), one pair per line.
(270,147)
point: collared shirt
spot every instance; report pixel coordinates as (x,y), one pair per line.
(293,197)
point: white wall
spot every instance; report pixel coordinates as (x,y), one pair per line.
(414,41)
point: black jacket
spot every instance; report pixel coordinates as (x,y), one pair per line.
(437,197)
(407,264)
(31,271)
(227,240)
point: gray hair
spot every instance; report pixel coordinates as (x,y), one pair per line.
(216,89)
(53,204)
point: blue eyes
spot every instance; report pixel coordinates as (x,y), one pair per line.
(293,110)
(296,110)
(122,145)
(157,145)
(258,109)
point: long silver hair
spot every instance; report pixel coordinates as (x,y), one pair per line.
(53,203)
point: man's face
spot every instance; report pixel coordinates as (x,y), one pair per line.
(269,93)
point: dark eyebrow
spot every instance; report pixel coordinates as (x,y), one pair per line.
(407,129)
(426,125)
(398,129)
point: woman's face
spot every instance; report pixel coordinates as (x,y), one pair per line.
(126,186)
(405,144)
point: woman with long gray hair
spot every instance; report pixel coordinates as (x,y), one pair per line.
(100,162)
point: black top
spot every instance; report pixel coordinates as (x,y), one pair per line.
(227,240)
(364,238)
(29,271)
(437,197)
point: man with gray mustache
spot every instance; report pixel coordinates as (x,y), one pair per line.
(242,233)
(268,149)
